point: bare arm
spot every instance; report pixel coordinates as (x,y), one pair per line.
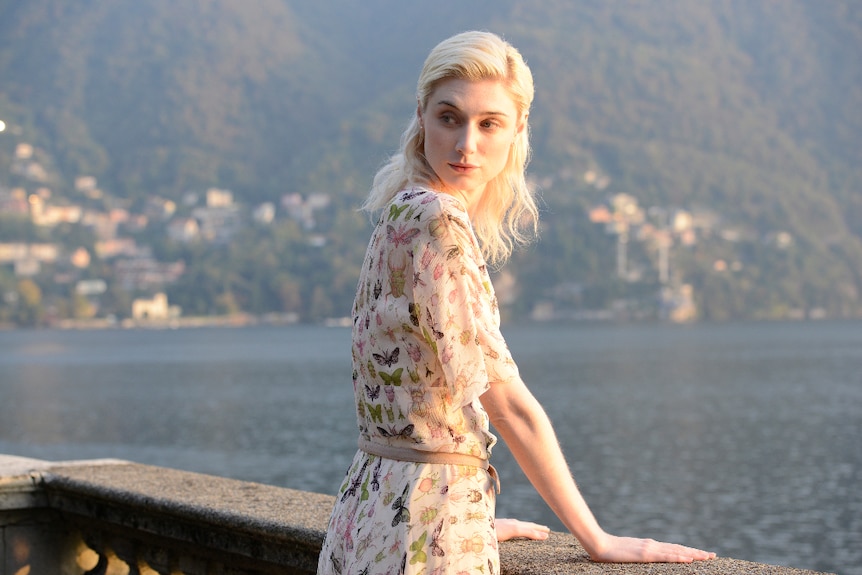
(526,429)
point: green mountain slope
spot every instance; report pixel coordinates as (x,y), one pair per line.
(747,109)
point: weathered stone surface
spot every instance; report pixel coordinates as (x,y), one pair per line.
(68,517)
(561,554)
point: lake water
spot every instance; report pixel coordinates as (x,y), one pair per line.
(745,439)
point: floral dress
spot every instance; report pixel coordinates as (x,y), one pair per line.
(426,345)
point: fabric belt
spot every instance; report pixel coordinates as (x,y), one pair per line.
(418,456)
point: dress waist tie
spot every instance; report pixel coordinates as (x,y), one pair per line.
(418,456)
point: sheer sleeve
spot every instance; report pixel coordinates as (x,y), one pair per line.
(456,307)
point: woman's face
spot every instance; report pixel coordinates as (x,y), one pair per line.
(470,127)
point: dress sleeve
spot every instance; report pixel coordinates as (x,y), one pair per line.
(456,309)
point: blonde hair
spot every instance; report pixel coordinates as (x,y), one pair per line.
(507,214)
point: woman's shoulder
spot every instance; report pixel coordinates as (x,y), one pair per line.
(425,202)
(420,214)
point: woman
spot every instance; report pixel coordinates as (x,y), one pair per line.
(430,364)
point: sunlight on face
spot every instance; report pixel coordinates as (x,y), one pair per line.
(470,127)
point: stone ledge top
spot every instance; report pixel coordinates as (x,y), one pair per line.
(277,513)
(561,554)
(254,508)
(15,466)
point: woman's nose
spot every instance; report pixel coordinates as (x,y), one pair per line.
(467,140)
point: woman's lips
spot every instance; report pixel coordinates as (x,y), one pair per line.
(462,168)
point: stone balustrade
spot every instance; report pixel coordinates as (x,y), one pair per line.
(109,517)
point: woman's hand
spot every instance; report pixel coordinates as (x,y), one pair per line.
(511,528)
(631,550)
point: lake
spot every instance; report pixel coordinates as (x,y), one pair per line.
(742,438)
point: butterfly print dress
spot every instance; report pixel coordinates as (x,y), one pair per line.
(426,345)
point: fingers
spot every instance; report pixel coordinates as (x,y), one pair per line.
(534,530)
(511,528)
(682,554)
(630,550)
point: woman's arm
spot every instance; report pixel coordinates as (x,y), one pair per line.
(526,429)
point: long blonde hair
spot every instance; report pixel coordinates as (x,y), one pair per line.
(506,214)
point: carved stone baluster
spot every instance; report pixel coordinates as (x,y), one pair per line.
(125,550)
(90,554)
(156,560)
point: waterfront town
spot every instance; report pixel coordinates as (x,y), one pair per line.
(114,257)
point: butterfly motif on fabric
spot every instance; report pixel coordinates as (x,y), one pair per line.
(375,412)
(401,235)
(372,392)
(437,333)
(405,432)
(387,358)
(417,547)
(393,378)
(395,211)
(402,514)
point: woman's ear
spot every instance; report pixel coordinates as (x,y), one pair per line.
(522,124)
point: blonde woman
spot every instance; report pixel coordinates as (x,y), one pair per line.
(430,366)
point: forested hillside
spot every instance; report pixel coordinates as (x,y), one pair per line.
(742,115)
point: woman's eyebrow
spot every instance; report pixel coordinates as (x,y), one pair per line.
(453,105)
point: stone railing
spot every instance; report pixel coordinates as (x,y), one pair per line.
(110,517)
